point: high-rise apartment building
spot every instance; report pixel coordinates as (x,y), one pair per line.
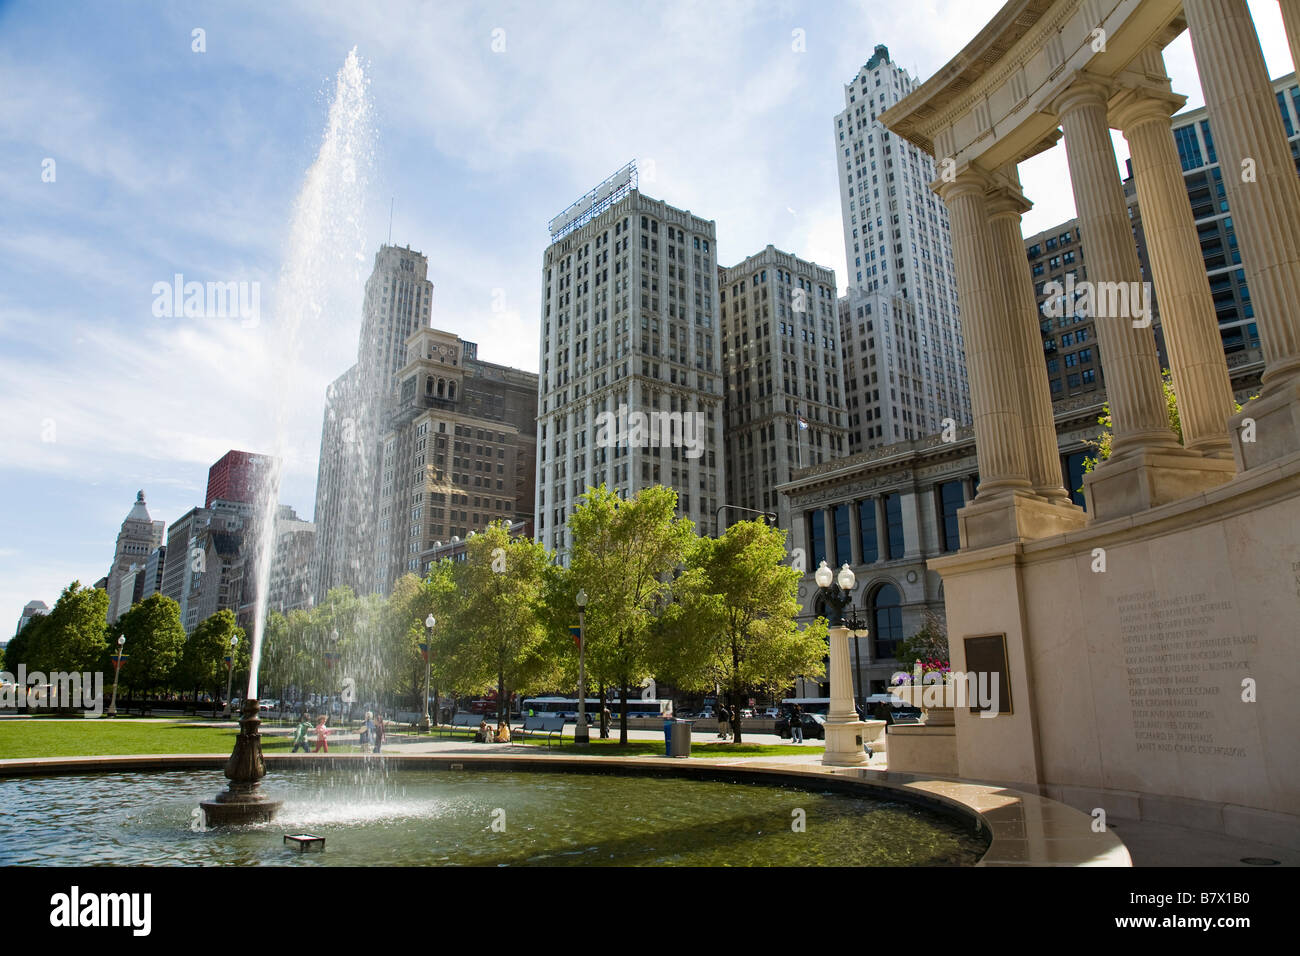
(630,391)
(781,369)
(904,357)
(138,536)
(459,452)
(290,582)
(421,439)
(237,476)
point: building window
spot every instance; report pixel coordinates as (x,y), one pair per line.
(867,522)
(886,621)
(843,552)
(817,537)
(951,499)
(894,525)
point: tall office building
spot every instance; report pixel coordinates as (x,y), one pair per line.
(904,357)
(421,440)
(237,476)
(138,536)
(781,368)
(458,454)
(397,301)
(630,391)
(290,582)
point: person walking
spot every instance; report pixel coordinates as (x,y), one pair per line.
(322,735)
(301,734)
(605,717)
(724,720)
(796,724)
(379,732)
(367,726)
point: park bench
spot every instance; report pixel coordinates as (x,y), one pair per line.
(459,722)
(536,726)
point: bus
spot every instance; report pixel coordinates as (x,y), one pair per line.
(567,707)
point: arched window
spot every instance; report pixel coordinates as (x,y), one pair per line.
(442,388)
(428,385)
(886,621)
(451,389)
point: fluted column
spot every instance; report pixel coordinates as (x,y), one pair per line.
(1266,204)
(1006,205)
(1140,419)
(1196,359)
(828,531)
(999,432)
(1291,21)
(855,534)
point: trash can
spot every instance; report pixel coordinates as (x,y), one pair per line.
(679,738)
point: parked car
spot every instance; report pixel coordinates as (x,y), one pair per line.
(746,712)
(814,727)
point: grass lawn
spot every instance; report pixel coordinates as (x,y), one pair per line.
(81,738)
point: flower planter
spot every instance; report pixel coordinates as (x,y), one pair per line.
(914,696)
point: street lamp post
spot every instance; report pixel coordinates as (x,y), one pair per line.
(581,737)
(117,669)
(429,622)
(230,673)
(843,728)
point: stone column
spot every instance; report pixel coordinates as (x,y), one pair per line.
(1264,195)
(1196,360)
(1006,205)
(828,531)
(1128,353)
(999,432)
(1291,21)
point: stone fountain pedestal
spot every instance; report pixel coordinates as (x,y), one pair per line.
(242,803)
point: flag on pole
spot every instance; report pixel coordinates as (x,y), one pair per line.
(117,661)
(576,634)
(803,422)
(424,651)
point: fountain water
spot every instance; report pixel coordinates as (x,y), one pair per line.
(325,237)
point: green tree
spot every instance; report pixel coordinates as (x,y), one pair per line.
(734,619)
(625,552)
(498,617)
(204,657)
(73,636)
(1102,444)
(155,642)
(19,649)
(929,643)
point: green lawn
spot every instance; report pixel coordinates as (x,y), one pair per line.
(81,738)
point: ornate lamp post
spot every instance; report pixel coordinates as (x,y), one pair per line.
(858,631)
(580,735)
(117,669)
(429,622)
(843,728)
(230,673)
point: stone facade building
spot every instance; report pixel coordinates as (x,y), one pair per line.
(781,367)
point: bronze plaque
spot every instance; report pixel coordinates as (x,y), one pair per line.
(987,654)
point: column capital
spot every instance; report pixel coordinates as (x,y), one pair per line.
(970,178)
(1086,90)
(1135,105)
(1004,197)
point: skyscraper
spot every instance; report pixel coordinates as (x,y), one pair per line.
(139,535)
(421,439)
(630,391)
(904,361)
(237,476)
(781,363)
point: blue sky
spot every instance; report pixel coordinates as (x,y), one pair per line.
(171,161)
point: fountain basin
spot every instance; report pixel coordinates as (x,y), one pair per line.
(1025,829)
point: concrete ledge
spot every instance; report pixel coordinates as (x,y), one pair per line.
(1024,829)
